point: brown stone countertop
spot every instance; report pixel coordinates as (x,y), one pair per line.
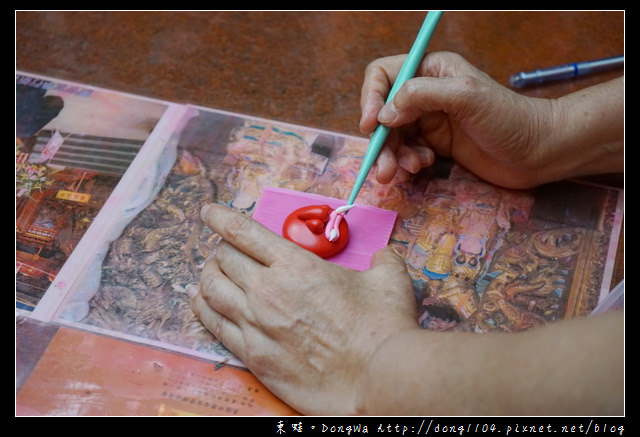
(301,67)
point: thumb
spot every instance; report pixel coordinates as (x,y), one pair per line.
(389,275)
(420,95)
(387,257)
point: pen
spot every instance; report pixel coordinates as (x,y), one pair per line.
(407,71)
(566,71)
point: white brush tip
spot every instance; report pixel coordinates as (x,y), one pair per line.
(334,235)
(344,208)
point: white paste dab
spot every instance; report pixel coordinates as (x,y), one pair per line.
(335,217)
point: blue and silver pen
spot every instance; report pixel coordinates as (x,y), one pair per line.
(407,71)
(567,71)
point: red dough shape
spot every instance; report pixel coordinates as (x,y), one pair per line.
(305,227)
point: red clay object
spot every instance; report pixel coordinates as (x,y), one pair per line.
(305,227)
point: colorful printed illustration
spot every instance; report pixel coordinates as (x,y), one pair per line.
(481,258)
(73,144)
(485,258)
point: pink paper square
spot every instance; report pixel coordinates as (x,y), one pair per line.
(370,228)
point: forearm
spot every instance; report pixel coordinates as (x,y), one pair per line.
(586,135)
(570,367)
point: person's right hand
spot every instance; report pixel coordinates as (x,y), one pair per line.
(455,110)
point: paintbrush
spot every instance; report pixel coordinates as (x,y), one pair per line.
(407,71)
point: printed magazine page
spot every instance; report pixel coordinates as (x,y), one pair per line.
(74,144)
(482,258)
(109,188)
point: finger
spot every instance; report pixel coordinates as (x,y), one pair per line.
(238,267)
(387,256)
(447,64)
(386,165)
(448,73)
(247,235)
(370,104)
(408,159)
(454,96)
(378,78)
(387,161)
(402,176)
(222,294)
(389,267)
(426,156)
(225,331)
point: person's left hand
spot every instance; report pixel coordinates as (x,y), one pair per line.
(307,328)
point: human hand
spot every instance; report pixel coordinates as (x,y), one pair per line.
(455,110)
(307,328)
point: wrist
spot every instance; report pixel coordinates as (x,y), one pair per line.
(378,384)
(582,134)
(403,376)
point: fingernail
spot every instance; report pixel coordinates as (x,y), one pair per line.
(426,156)
(409,164)
(387,114)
